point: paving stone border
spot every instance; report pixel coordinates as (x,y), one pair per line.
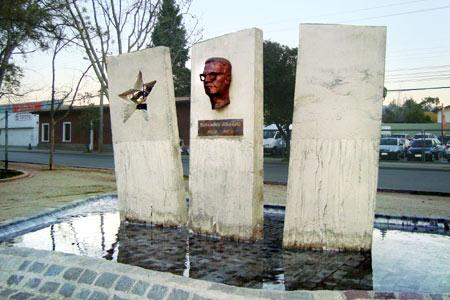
(37,274)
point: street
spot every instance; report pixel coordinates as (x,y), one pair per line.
(392,176)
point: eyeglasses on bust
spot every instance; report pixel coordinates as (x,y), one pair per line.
(210,76)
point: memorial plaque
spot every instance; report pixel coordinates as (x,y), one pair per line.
(232,127)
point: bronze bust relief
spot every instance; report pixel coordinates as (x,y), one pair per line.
(216,80)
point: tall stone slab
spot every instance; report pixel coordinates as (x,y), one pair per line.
(147,156)
(226,172)
(336,128)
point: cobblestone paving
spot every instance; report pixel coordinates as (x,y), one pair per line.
(35,274)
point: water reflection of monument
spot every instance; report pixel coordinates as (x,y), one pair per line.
(254,265)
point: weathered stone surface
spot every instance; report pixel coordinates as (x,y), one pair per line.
(7,292)
(157,292)
(226,179)
(98,296)
(106,280)
(67,290)
(54,270)
(49,287)
(21,296)
(333,166)
(33,283)
(147,157)
(24,265)
(124,283)
(14,280)
(37,267)
(178,294)
(140,287)
(88,276)
(298,295)
(83,294)
(72,273)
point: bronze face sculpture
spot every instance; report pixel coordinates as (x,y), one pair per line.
(216,79)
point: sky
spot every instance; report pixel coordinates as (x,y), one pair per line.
(417,49)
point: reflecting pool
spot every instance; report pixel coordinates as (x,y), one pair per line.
(399,261)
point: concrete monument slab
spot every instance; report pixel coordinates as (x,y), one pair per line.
(333,167)
(226,160)
(147,156)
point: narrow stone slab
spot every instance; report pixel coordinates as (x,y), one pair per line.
(333,164)
(147,155)
(226,158)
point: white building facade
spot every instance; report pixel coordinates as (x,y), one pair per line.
(23,127)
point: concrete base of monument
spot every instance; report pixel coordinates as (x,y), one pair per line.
(111,258)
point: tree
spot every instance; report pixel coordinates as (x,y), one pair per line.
(60,42)
(430,104)
(409,112)
(111,27)
(169,31)
(279,85)
(23,23)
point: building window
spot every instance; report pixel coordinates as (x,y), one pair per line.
(67,131)
(45,132)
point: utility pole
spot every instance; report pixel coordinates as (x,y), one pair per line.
(100,126)
(6,140)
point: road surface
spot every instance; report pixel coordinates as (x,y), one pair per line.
(394,176)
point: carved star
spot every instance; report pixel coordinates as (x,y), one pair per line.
(136,97)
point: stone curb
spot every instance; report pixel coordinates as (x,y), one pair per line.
(38,274)
(27,223)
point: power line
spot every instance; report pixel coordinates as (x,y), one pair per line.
(397,14)
(419,73)
(419,57)
(420,89)
(312,18)
(418,79)
(419,68)
(402,55)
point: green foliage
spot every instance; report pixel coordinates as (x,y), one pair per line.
(9,173)
(169,31)
(23,23)
(90,118)
(409,112)
(279,84)
(430,104)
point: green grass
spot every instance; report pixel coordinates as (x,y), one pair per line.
(9,173)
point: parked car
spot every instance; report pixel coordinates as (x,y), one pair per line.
(406,145)
(402,136)
(391,148)
(440,149)
(423,148)
(444,139)
(425,135)
(273,143)
(447,151)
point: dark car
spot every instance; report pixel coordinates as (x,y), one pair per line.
(425,148)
